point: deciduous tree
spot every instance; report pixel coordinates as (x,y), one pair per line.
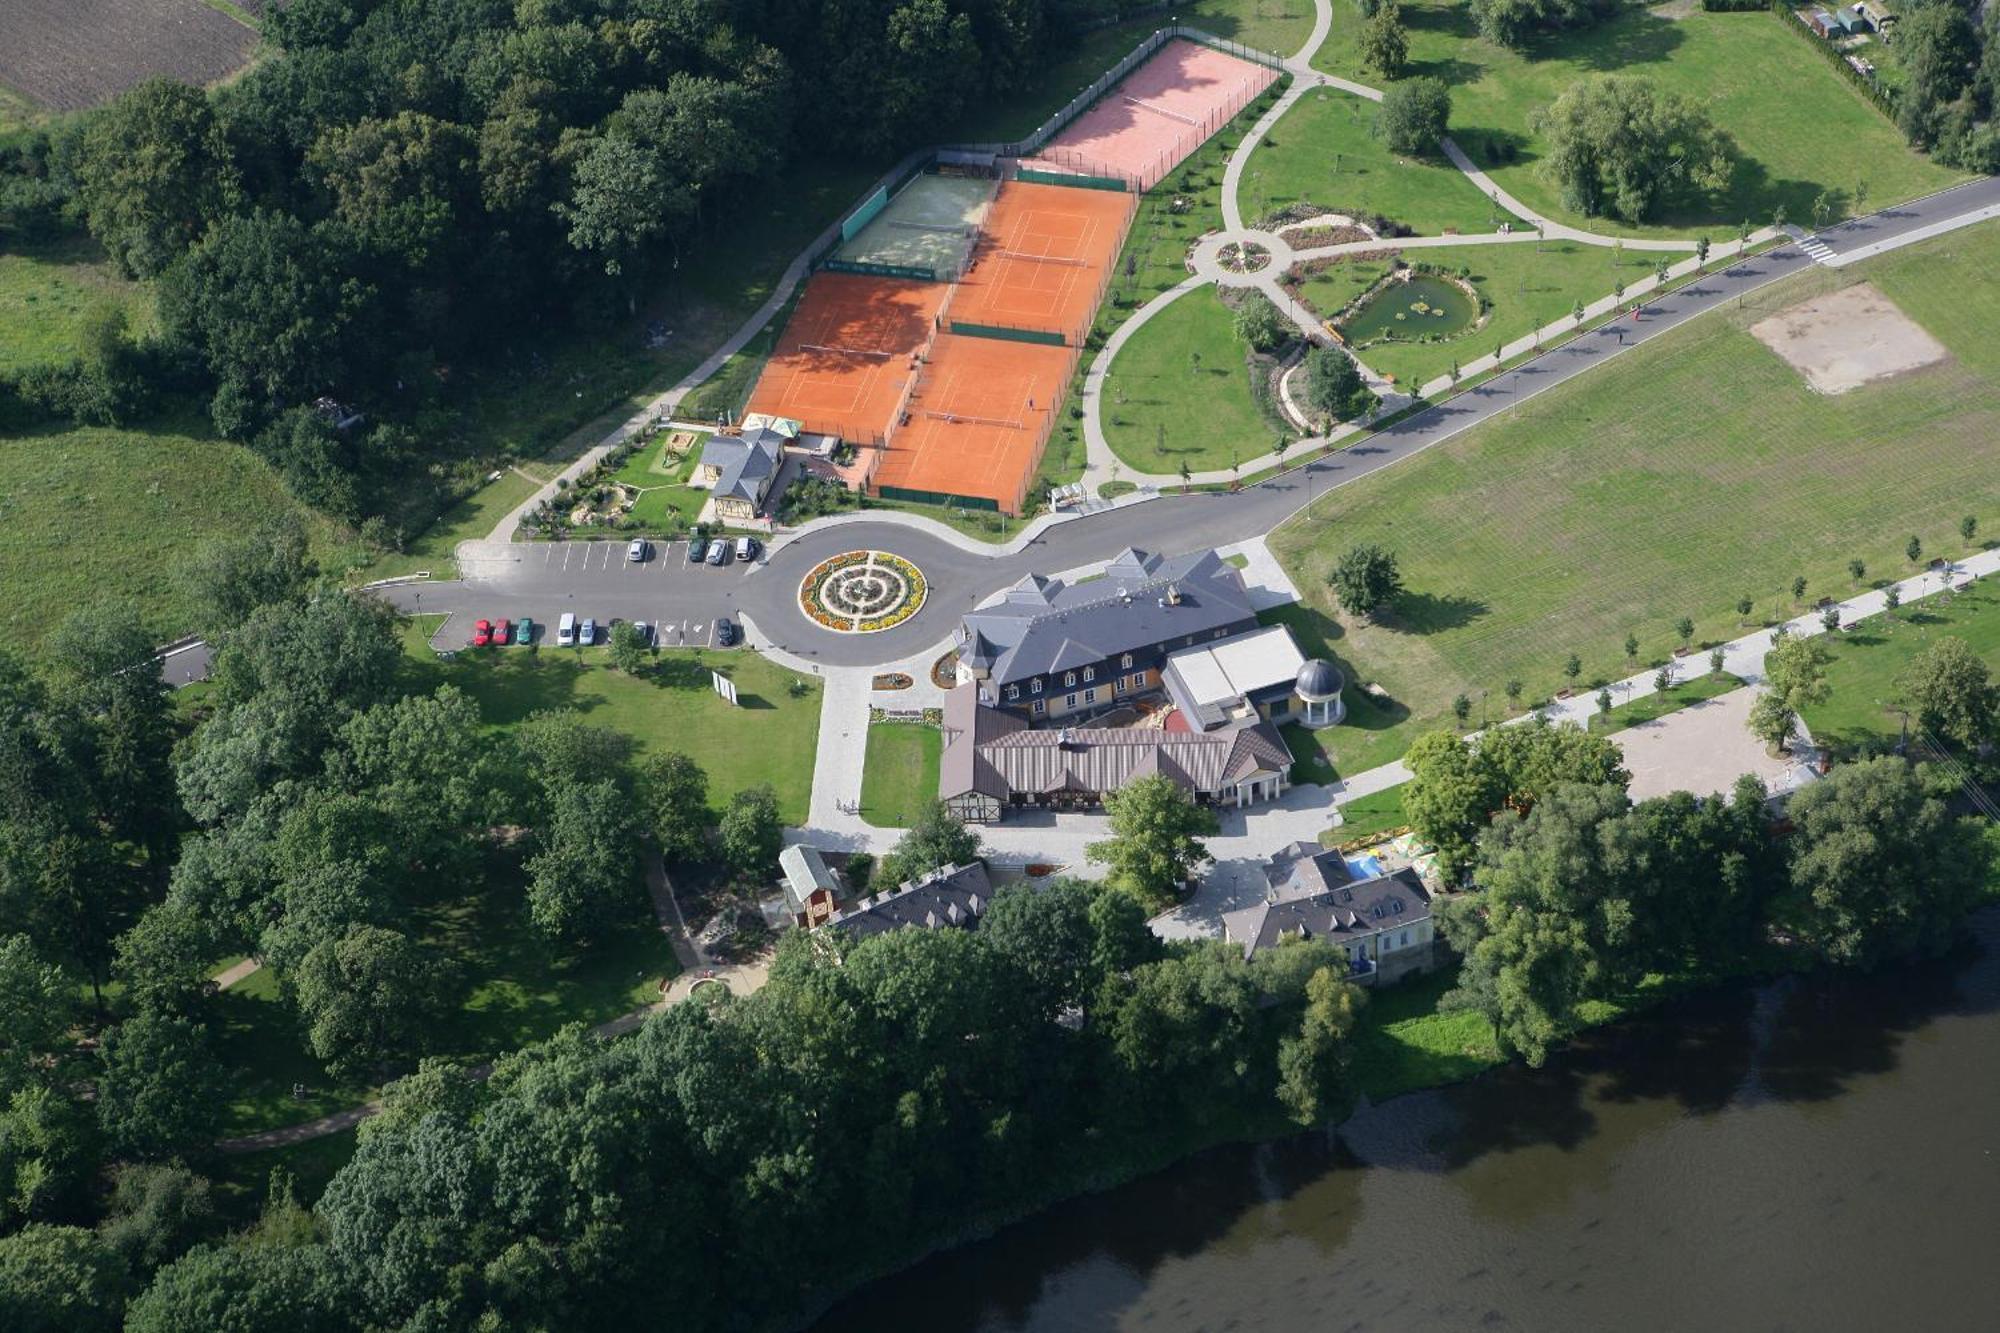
(1155,843)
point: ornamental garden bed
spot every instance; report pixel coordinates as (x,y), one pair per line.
(862,592)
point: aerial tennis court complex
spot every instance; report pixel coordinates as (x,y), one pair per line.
(976,424)
(944,324)
(925,230)
(1043,260)
(1148,122)
(847,355)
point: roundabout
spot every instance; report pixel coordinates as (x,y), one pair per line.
(862,592)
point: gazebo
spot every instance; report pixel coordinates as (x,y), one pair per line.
(1318,689)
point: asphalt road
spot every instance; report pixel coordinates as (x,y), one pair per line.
(593,578)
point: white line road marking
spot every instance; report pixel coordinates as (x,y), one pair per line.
(1922,233)
(566,550)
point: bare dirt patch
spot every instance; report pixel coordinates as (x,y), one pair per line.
(1848,338)
(72,54)
(1702,748)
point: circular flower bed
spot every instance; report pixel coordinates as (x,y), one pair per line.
(861,592)
(1243,256)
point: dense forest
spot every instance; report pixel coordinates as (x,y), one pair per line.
(407,188)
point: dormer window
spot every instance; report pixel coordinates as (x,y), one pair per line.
(1035,687)
(1013,691)
(1090,673)
(1069,678)
(1125,661)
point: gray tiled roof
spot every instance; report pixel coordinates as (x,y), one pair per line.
(951,896)
(996,754)
(1045,625)
(1341,912)
(747,462)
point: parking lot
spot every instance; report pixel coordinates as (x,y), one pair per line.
(680,598)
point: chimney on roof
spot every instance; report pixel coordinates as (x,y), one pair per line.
(1173,597)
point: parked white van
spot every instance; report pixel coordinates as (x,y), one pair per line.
(566,630)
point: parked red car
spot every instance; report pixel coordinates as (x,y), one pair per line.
(503,633)
(482,633)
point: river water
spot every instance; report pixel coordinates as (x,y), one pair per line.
(1813,1154)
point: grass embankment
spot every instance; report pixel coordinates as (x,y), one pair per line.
(771,737)
(1179,392)
(1682,476)
(901,774)
(1799,126)
(98,512)
(47,290)
(1865,704)
(1654,706)
(1324,151)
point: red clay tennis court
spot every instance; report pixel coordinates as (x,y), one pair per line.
(848,353)
(977,423)
(1045,256)
(1159,113)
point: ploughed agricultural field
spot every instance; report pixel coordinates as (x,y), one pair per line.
(71,54)
(1680,477)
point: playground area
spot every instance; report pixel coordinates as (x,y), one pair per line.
(928,225)
(1158,114)
(1044,260)
(977,422)
(846,358)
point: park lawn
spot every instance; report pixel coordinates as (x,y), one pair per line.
(900,777)
(671,705)
(1527,286)
(1325,152)
(1403,1043)
(1799,127)
(1179,392)
(243,1180)
(1672,481)
(46,291)
(262,1049)
(524,986)
(1862,702)
(471,519)
(116,513)
(651,465)
(1310,761)
(1378,812)
(519,987)
(1651,707)
(1279,26)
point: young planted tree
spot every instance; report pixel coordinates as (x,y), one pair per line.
(1716,657)
(1744,606)
(1830,619)
(1858,569)
(1461,708)
(1799,588)
(1572,668)
(1632,649)
(1512,689)
(1663,679)
(1365,579)
(1604,700)
(628,647)
(1968,528)
(1684,631)
(1915,551)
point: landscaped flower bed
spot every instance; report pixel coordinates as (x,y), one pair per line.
(861,592)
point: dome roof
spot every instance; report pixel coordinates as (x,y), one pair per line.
(1318,680)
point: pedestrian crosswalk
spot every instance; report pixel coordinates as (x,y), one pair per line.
(1817,250)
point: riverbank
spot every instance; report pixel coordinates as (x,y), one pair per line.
(1403,1047)
(1558,1190)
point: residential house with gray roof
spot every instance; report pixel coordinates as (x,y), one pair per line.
(739,470)
(950,897)
(1382,921)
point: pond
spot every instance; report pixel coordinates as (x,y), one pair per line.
(1410,310)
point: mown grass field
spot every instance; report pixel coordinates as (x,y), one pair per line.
(900,776)
(1324,151)
(47,290)
(1179,392)
(670,705)
(104,513)
(1799,125)
(1672,481)
(1868,660)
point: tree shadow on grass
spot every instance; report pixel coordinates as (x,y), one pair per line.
(1429,613)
